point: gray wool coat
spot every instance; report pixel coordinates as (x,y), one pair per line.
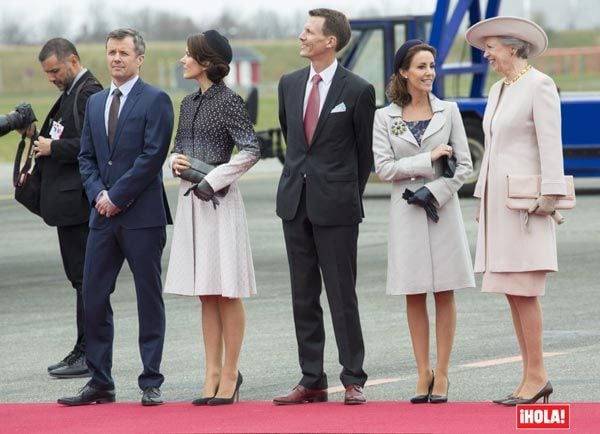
(424,256)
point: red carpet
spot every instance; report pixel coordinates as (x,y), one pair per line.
(264,417)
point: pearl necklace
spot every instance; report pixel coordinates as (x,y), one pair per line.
(519,75)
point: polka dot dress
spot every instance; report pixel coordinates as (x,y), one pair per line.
(210,251)
(210,124)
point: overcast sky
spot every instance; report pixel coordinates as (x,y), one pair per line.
(213,8)
(559,14)
(37,13)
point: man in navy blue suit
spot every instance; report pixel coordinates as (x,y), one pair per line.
(125,139)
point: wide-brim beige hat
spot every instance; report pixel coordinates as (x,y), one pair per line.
(515,27)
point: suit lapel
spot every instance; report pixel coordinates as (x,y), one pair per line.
(337,85)
(51,115)
(130,102)
(395,112)
(492,105)
(99,115)
(437,121)
(297,98)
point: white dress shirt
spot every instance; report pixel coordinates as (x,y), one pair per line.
(125,88)
(324,85)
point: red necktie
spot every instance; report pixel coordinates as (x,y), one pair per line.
(311,117)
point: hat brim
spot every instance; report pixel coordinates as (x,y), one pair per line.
(515,27)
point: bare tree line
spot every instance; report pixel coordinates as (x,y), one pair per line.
(154,25)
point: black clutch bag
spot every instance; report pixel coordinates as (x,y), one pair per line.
(448,166)
(196,173)
(198,170)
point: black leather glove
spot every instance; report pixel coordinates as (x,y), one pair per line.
(203,191)
(423,198)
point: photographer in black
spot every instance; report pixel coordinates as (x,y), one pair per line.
(62,200)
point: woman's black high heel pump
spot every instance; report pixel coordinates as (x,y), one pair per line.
(235,397)
(202,401)
(440,399)
(422,399)
(544,392)
(506,398)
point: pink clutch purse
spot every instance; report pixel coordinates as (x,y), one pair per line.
(523,190)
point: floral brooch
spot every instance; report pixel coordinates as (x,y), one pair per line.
(398,127)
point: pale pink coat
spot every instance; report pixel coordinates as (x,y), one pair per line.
(522,137)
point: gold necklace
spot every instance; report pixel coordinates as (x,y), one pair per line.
(519,75)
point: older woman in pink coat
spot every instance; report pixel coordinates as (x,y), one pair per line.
(522,126)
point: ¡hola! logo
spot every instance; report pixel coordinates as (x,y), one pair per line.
(544,416)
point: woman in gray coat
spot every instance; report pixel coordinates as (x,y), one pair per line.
(428,250)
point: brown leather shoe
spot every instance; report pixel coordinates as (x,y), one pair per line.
(354,395)
(301,395)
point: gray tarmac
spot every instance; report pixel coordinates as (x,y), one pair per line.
(37,310)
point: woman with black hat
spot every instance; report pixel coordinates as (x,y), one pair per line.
(413,139)
(210,252)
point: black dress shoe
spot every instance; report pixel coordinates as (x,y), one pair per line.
(75,369)
(151,396)
(72,356)
(89,395)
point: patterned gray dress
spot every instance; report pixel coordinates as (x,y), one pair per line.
(210,251)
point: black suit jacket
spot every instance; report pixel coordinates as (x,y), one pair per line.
(339,160)
(62,199)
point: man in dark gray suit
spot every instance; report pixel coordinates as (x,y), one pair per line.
(326,115)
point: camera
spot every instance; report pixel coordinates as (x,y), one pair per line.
(19,119)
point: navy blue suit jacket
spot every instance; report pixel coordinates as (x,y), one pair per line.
(131,170)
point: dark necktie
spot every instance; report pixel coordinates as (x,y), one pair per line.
(113,115)
(311,117)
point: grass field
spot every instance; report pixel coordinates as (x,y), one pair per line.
(21,78)
(42,102)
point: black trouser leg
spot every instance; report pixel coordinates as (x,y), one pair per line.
(305,279)
(336,249)
(72,241)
